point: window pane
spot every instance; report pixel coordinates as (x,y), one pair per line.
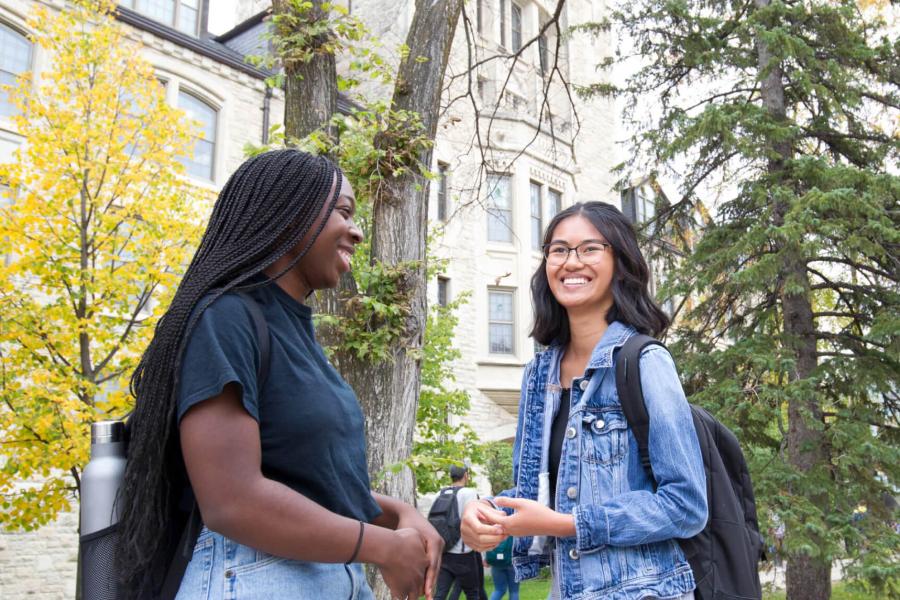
(501,338)
(498,191)
(501,306)
(161,10)
(542,53)
(443,291)
(15,58)
(499,213)
(554,203)
(442,192)
(516,27)
(503,23)
(198,110)
(499,226)
(187,20)
(200,163)
(535,216)
(500,322)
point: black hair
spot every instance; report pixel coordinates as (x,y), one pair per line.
(632,303)
(457,472)
(265,209)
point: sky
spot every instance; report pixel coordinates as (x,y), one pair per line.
(222,15)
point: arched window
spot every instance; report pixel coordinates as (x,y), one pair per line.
(15,58)
(200,162)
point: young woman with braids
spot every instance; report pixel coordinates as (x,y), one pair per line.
(278,470)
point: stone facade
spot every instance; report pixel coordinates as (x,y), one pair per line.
(42,564)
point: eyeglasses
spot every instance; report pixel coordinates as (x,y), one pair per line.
(588,252)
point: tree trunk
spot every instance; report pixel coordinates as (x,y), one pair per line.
(808,578)
(399,223)
(388,392)
(310,87)
(310,94)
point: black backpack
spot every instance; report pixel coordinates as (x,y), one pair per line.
(725,555)
(98,550)
(444,515)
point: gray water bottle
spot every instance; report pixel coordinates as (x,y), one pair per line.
(102,477)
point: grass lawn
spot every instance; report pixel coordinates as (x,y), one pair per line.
(537,589)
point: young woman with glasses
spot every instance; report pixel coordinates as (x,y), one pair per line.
(582,502)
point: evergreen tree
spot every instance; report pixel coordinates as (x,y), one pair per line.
(788,112)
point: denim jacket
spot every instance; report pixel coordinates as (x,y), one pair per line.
(625,543)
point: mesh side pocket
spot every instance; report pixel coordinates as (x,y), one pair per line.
(100,581)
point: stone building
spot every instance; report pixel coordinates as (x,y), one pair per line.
(489,204)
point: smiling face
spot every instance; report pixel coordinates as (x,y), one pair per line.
(575,285)
(329,257)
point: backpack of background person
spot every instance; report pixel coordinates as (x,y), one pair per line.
(725,555)
(444,515)
(501,556)
(100,580)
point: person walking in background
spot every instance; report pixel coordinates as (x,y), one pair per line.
(460,562)
(583,503)
(277,463)
(499,559)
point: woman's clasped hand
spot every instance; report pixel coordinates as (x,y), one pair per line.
(483,527)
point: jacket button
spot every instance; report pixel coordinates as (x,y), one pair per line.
(584,383)
(570,432)
(572,492)
(573,554)
(599,424)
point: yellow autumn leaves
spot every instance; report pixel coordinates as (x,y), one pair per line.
(101,224)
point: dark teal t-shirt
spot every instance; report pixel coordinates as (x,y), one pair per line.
(311,427)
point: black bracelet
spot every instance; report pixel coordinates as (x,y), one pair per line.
(362,529)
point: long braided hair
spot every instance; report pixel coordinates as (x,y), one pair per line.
(268,205)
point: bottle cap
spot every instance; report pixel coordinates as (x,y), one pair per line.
(107,432)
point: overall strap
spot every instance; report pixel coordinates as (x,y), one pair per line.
(631,397)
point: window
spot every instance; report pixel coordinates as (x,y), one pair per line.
(442,192)
(15,58)
(554,203)
(500,322)
(644,205)
(180,14)
(479,15)
(443,291)
(542,54)
(536,225)
(503,23)
(499,209)
(200,163)
(516,27)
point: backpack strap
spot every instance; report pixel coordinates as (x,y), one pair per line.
(631,397)
(185,549)
(262,337)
